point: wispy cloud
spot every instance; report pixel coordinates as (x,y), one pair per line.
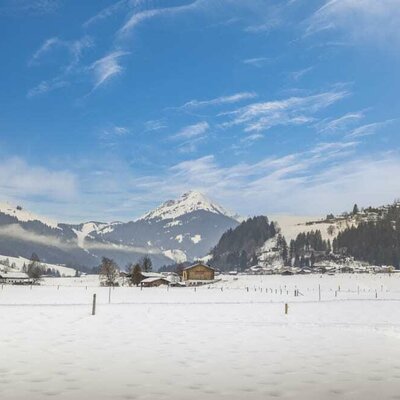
(74,47)
(313,181)
(218,101)
(332,148)
(46,86)
(107,12)
(292,111)
(250,139)
(192,131)
(370,20)
(328,177)
(20,180)
(138,17)
(265,27)
(257,62)
(44,48)
(369,129)
(30,6)
(107,67)
(117,131)
(154,125)
(267,15)
(297,75)
(339,124)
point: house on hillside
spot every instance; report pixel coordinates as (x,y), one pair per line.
(197,273)
(15,278)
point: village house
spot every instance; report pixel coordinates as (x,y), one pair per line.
(154,281)
(198,273)
(15,278)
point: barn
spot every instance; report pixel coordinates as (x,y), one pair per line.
(198,272)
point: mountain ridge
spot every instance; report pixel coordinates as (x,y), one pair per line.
(177,230)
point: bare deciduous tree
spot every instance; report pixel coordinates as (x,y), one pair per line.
(109,272)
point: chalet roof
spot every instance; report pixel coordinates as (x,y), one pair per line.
(13,275)
(154,279)
(199,264)
(152,275)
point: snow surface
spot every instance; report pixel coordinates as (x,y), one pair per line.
(187,203)
(231,340)
(173,223)
(179,238)
(292,225)
(196,239)
(26,216)
(176,255)
(93,227)
(20,261)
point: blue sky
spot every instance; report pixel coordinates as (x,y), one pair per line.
(110,107)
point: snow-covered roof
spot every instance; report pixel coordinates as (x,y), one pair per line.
(152,275)
(154,279)
(13,275)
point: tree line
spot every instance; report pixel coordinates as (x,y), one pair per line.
(308,248)
(236,250)
(109,271)
(377,243)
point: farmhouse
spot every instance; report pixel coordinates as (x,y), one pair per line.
(15,278)
(154,281)
(198,272)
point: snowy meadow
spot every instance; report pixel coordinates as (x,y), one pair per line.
(230,340)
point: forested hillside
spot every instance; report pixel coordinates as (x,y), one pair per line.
(374,242)
(237,247)
(308,248)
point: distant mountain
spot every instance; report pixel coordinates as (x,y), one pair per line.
(183,229)
(178,230)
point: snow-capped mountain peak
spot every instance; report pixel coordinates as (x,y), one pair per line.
(187,203)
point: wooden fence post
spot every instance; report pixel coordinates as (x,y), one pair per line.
(286,308)
(319,292)
(94,305)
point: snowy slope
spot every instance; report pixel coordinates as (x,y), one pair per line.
(84,230)
(25,216)
(175,255)
(291,226)
(19,263)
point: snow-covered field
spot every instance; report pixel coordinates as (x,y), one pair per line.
(228,341)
